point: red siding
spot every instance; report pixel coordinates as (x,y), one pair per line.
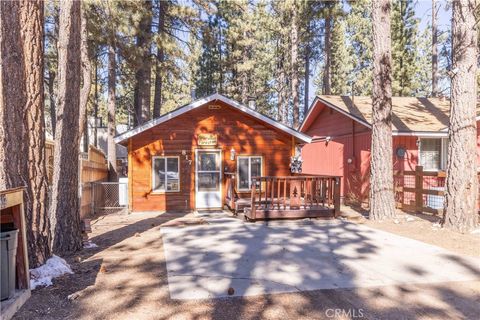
(348,140)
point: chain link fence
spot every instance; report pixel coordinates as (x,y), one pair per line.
(109,196)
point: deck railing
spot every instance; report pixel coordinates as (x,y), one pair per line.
(294,197)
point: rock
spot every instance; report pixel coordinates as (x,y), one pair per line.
(231,291)
(73,296)
(103,269)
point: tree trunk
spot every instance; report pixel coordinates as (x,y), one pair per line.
(22,128)
(462,182)
(51,97)
(327,86)
(95,107)
(157,99)
(111,148)
(434,49)
(144,72)
(38,232)
(86,76)
(65,203)
(307,80)
(295,75)
(381,182)
(13,162)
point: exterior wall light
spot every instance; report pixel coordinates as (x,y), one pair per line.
(232,154)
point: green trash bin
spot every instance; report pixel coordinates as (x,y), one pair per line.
(8,243)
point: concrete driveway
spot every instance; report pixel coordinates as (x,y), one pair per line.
(205,261)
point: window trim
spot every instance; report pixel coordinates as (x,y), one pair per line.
(158,191)
(443,153)
(249,170)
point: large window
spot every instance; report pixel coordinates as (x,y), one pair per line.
(248,167)
(433,153)
(165,175)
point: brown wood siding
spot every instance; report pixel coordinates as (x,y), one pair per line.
(178,137)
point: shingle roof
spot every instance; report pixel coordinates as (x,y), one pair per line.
(409,113)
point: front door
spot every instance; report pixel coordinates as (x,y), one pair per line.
(208,179)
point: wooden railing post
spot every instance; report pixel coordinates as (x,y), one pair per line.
(336,197)
(418,189)
(253,197)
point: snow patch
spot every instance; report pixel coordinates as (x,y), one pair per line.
(53,268)
(89,245)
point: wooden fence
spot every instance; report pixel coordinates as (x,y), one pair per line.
(92,169)
(420,191)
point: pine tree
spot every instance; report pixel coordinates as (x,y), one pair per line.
(340,60)
(434,49)
(22,127)
(65,207)
(143,65)
(462,182)
(359,36)
(404,47)
(382,202)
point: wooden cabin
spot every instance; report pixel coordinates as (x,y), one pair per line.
(188,159)
(340,128)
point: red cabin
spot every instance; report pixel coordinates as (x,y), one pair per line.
(341,130)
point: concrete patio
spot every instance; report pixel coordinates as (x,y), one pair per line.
(208,261)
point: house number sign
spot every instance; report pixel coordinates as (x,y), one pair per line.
(207,139)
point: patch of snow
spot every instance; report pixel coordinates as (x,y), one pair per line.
(409,219)
(436,225)
(89,245)
(476,231)
(53,268)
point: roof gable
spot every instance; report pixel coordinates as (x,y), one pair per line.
(201,102)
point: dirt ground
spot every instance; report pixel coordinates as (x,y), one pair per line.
(426,228)
(126,278)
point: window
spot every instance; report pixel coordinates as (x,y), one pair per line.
(433,154)
(165,175)
(248,167)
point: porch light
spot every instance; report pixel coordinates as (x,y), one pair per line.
(232,154)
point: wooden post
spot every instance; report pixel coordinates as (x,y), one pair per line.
(130,175)
(253,206)
(418,189)
(336,197)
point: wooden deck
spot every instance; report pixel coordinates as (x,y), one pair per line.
(292,197)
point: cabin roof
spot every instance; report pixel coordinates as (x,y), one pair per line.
(411,115)
(122,138)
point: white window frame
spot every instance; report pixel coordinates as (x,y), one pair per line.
(249,171)
(443,153)
(166,176)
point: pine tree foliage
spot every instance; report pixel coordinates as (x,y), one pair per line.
(243,49)
(404,47)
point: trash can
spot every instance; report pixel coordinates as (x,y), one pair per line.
(8,243)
